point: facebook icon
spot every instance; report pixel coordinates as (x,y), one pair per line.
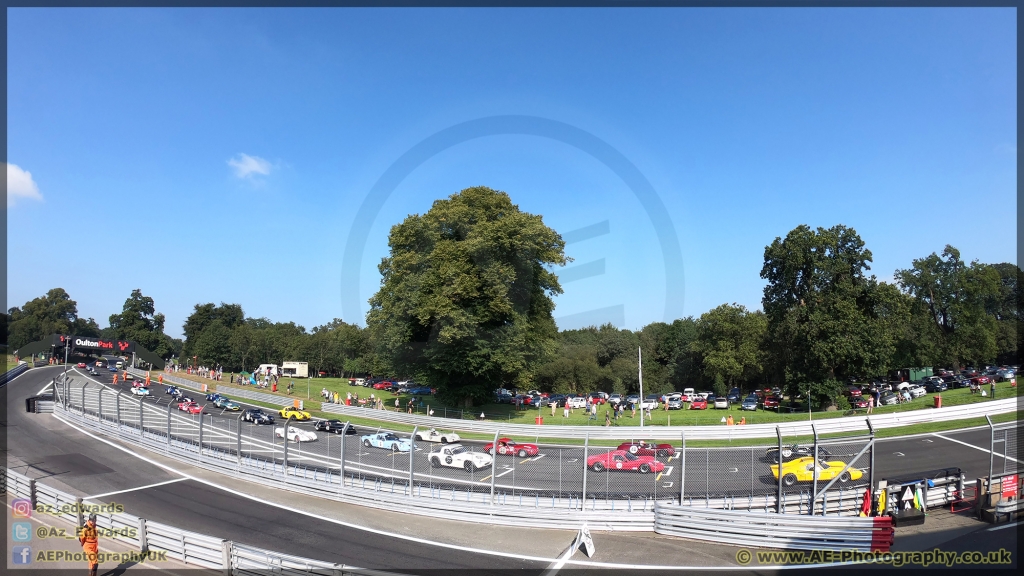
(21,555)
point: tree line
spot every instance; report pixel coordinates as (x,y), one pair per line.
(465,305)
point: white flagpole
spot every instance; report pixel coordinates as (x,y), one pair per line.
(640,364)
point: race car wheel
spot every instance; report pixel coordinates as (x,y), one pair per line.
(468,466)
(394,447)
(633,449)
(522,453)
(844,477)
(366,443)
(787,453)
(435,463)
(644,468)
(662,453)
(597,467)
(789,479)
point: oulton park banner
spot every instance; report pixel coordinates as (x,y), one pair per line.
(94,344)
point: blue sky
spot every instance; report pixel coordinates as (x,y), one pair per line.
(215,155)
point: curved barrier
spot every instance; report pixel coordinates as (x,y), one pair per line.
(13,372)
(771,530)
(749,431)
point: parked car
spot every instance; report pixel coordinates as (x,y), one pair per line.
(1004,375)
(981,380)
(633,399)
(733,397)
(772,402)
(421,391)
(859,402)
(623,460)
(503,398)
(614,399)
(698,403)
(512,448)
(918,391)
(598,397)
(852,392)
(749,403)
(387,441)
(295,434)
(576,402)
(257,416)
(675,403)
(721,402)
(385,385)
(650,402)
(888,399)
(642,448)
(458,456)
(805,470)
(335,426)
(432,435)
(556,400)
(932,386)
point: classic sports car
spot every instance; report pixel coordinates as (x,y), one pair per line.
(433,435)
(336,426)
(172,390)
(698,403)
(257,416)
(795,451)
(80,365)
(458,456)
(641,448)
(112,368)
(226,404)
(295,434)
(804,470)
(185,399)
(128,377)
(293,413)
(511,447)
(623,460)
(140,391)
(213,396)
(190,407)
(387,441)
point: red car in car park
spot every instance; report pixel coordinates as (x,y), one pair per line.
(641,448)
(852,392)
(511,447)
(623,460)
(772,402)
(385,385)
(698,403)
(858,402)
(981,380)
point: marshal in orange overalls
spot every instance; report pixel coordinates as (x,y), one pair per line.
(90,545)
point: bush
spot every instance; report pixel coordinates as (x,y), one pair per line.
(843,404)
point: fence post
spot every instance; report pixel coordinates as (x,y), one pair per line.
(682,465)
(341,476)
(871,461)
(814,473)
(412,450)
(778,455)
(78,510)
(494,462)
(118,402)
(287,425)
(142,427)
(201,419)
(32,492)
(169,405)
(143,536)
(238,441)
(991,446)
(99,404)
(225,557)
(586,453)
(83,401)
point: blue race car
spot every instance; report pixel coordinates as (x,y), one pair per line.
(213,396)
(387,441)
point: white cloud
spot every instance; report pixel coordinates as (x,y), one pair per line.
(246,166)
(20,185)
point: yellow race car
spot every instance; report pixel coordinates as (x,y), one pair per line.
(804,470)
(293,413)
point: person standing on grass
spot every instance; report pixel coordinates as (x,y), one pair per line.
(565,411)
(871,403)
(607,418)
(633,406)
(396,404)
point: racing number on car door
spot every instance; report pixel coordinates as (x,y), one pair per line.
(447,459)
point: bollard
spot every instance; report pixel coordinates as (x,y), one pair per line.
(586,452)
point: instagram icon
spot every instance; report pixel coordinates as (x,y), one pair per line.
(21,508)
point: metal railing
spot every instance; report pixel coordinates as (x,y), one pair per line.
(13,372)
(772,530)
(169,379)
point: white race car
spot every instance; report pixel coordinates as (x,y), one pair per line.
(140,391)
(295,434)
(458,456)
(433,435)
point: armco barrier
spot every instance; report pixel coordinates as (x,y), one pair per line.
(168,379)
(13,372)
(826,426)
(772,530)
(259,396)
(191,548)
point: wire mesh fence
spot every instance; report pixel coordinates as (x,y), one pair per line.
(588,473)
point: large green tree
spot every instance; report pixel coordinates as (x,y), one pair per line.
(466,295)
(53,313)
(823,311)
(139,321)
(955,295)
(729,340)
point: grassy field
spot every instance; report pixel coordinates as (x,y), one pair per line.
(506,413)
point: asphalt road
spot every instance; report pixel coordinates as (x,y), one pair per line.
(56,451)
(557,471)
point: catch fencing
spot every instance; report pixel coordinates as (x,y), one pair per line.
(559,486)
(1003,455)
(190,548)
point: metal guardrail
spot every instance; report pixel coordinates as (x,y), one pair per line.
(775,530)
(748,431)
(259,396)
(169,379)
(190,548)
(13,372)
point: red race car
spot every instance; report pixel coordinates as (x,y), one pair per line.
(81,365)
(698,403)
(190,407)
(510,447)
(858,403)
(623,460)
(641,448)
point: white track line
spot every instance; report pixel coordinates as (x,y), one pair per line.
(975,447)
(1003,527)
(134,489)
